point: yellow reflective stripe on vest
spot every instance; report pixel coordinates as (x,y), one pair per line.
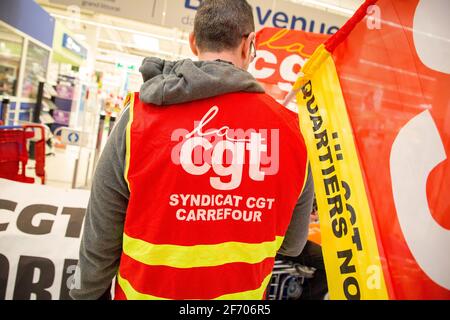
(130,97)
(256,294)
(306,177)
(199,255)
(131,293)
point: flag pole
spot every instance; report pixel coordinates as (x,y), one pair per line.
(324,50)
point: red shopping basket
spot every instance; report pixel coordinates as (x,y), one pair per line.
(14,153)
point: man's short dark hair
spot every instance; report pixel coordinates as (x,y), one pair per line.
(220,24)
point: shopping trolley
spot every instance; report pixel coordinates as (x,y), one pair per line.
(14,152)
(39,149)
(287,280)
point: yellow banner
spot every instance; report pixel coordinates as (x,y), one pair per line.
(349,243)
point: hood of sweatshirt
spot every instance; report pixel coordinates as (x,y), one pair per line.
(173,82)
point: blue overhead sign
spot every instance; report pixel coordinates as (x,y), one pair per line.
(28,17)
(73,46)
(267,13)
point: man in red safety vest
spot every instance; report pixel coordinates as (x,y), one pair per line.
(198,187)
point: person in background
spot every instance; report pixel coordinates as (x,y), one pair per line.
(316,287)
(190,199)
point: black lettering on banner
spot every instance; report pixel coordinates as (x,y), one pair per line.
(307,90)
(4,273)
(347,190)
(338,148)
(345,266)
(313,110)
(348,206)
(340,224)
(75,221)
(348,283)
(24,221)
(352,212)
(25,287)
(317,122)
(328,171)
(6,205)
(336,202)
(327,157)
(357,239)
(323,139)
(332,182)
(68,273)
(339,227)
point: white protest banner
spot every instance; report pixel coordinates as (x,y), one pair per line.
(40,230)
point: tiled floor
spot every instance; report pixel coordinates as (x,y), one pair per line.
(60,167)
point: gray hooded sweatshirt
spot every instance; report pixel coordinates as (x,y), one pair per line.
(165,83)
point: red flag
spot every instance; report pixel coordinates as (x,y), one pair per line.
(375,112)
(280,55)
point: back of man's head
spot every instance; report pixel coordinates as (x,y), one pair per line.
(221,24)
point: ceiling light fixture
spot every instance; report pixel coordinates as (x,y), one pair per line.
(106,26)
(146,43)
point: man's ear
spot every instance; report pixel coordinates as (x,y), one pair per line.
(247,44)
(193,44)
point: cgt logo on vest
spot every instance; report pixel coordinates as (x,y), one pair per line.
(226,152)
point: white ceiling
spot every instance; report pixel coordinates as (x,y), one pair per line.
(346,4)
(116,35)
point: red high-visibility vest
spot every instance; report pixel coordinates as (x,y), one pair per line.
(213,184)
